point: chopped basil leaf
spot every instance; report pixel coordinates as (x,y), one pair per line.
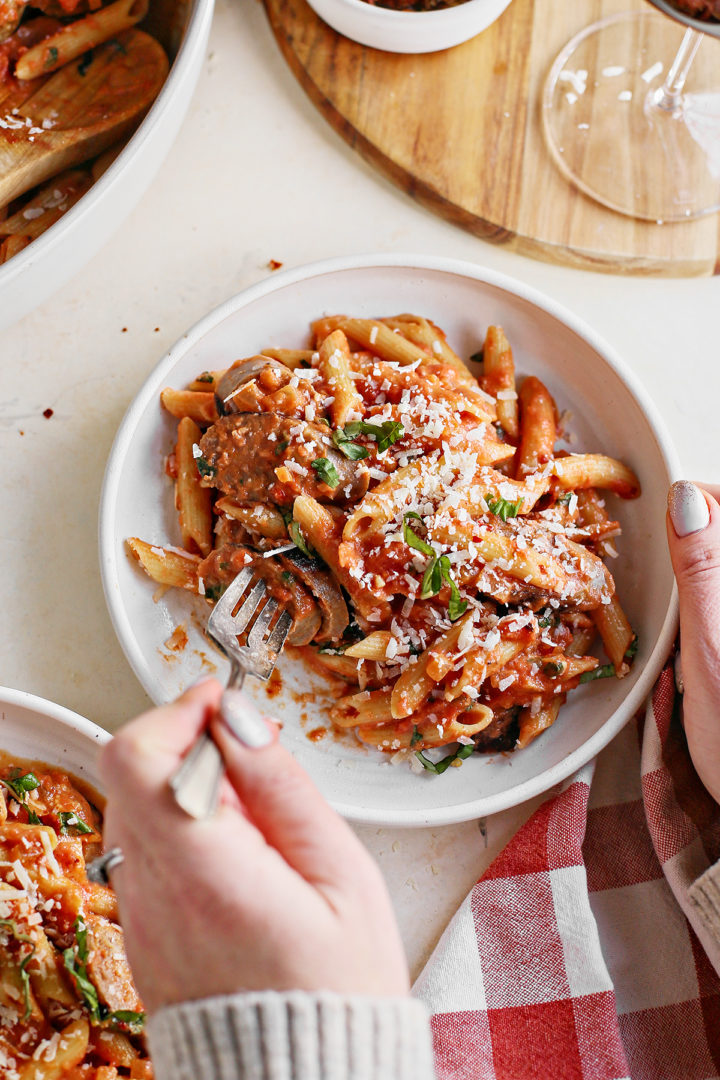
(546,620)
(51,56)
(553,667)
(605,672)
(287,577)
(24,976)
(439,767)
(75,961)
(352,450)
(204,468)
(502,508)
(456,606)
(326,472)
(214,592)
(281,447)
(70,820)
(296,535)
(412,539)
(33,819)
(205,377)
(127,1018)
(385,434)
(437,571)
(477,357)
(564,500)
(416,737)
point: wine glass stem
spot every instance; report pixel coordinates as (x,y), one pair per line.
(669,96)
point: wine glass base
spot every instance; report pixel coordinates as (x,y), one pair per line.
(607,133)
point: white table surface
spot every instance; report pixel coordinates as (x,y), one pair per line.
(256,174)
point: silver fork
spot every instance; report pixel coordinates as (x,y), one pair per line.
(196,783)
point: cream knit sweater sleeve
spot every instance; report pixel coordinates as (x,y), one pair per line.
(292,1036)
(704,895)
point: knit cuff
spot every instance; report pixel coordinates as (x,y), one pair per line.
(704,895)
(292,1036)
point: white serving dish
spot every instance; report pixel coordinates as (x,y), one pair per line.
(408,31)
(30,277)
(33,728)
(610,413)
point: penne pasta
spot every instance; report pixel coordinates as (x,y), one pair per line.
(451,577)
(334,365)
(167,566)
(499,379)
(192,501)
(578,471)
(538,427)
(75,39)
(197,405)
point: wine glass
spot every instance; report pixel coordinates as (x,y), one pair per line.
(631,114)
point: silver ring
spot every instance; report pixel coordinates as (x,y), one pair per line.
(99,869)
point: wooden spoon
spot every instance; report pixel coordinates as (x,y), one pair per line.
(50,124)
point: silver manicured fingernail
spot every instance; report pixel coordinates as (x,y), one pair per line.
(244,720)
(688,509)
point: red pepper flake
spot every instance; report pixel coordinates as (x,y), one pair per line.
(124,330)
(157,329)
(47,413)
(274,264)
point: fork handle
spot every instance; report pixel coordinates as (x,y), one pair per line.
(196,783)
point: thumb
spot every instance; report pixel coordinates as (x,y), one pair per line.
(694,541)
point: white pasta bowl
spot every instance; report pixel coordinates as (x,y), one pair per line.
(608,411)
(409,31)
(38,730)
(49,262)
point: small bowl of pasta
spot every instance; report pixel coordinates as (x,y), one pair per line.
(455,489)
(67,68)
(409,26)
(69,1003)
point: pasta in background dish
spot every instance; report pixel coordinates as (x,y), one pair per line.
(436,550)
(68,1006)
(39,38)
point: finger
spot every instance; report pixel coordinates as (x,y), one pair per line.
(694,541)
(282,801)
(148,749)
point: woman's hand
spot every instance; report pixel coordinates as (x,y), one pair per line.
(694,539)
(273,892)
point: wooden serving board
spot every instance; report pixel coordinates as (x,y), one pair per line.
(461,132)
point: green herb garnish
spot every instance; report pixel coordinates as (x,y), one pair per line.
(437,571)
(75,961)
(52,55)
(564,500)
(412,539)
(33,819)
(385,434)
(553,667)
(204,468)
(205,377)
(24,976)
(606,671)
(70,820)
(19,785)
(326,472)
(439,767)
(416,737)
(352,450)
(287,577)
(214,592)
(296,535)
(502,508)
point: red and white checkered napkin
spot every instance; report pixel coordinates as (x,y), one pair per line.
(573,958)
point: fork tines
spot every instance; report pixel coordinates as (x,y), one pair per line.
(264,640)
